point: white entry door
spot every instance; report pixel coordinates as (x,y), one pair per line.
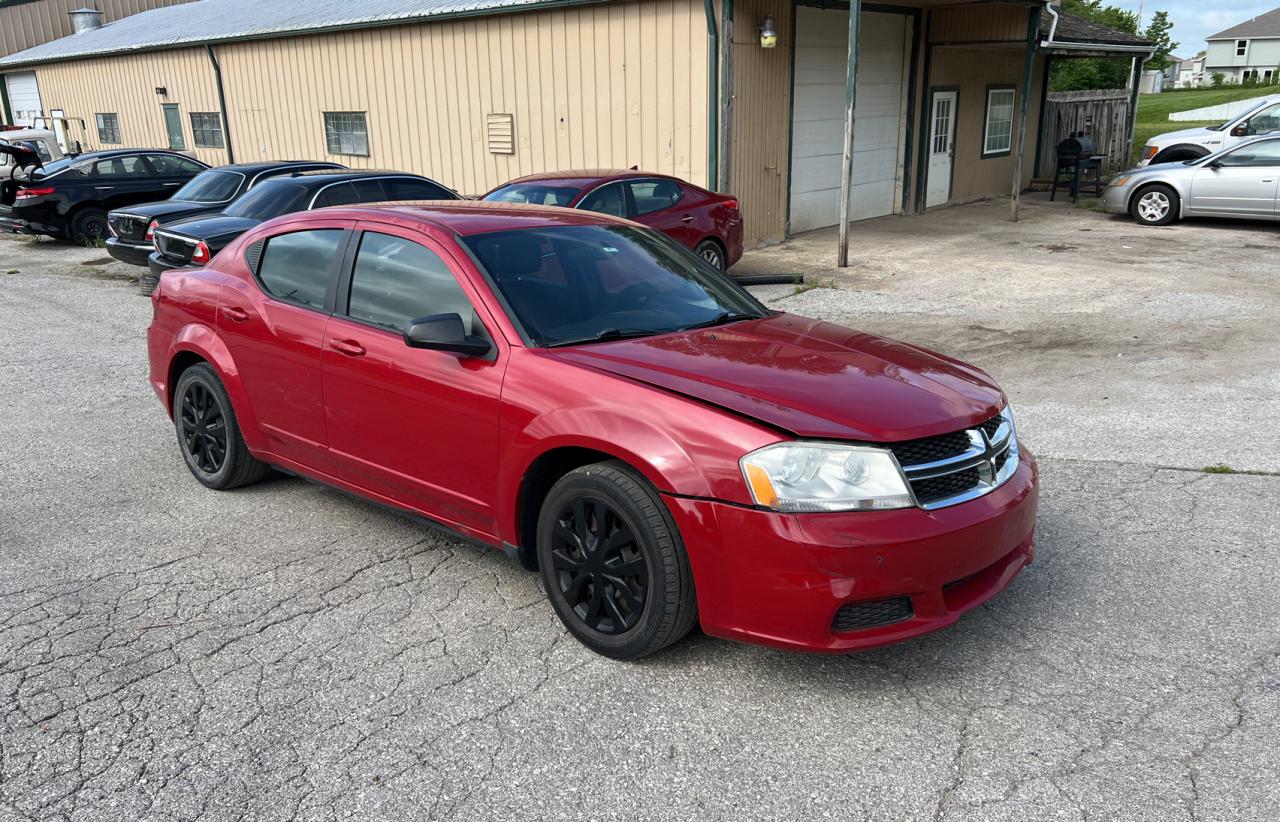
(817,146)
(942,148)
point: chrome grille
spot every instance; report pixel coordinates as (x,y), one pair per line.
(127,226)
(960,466)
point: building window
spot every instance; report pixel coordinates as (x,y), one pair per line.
(997,138)
(1241,47)
(108,128)
(345,132)
(206,126)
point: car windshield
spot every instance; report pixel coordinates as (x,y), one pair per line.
(579,284)
(210,187)
(270,199)
(539,193)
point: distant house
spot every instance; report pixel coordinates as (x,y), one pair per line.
(1246,51)
(1186,72)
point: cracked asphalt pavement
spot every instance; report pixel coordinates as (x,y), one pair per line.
(287,652)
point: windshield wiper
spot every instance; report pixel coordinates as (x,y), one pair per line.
(606,335)
(722,318)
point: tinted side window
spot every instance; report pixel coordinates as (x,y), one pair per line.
(655,195)
(404,189)
(336,195)
(608,200)
(396,280)
(297,267)
(1265,121)
(369,191)
(121,167)
(167,165)
(1263,154)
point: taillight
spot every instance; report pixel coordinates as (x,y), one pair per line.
(151,231)
(25,193)
(731,204)
(201,254)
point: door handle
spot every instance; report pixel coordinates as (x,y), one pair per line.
(688,218)
(171,185)
(349,347)
(236,315)
(1272,180)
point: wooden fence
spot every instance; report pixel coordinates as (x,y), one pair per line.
(1101,115)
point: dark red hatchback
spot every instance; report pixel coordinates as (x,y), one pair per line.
(608,409)
(707,223)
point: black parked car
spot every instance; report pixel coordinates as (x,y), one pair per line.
(207,193)
(70,198)
(192,243)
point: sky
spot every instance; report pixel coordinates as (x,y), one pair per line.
(1194,20)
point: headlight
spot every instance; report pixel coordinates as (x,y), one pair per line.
(800,477)
(1119,181)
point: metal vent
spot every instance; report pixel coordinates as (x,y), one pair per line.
(857,615)
(252,256)
(500,130)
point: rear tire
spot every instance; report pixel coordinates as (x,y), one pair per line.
(613,564)
(711,251)
(88,226)
(1156,204)
(208,434)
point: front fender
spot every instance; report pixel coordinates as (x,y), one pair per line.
(203,341)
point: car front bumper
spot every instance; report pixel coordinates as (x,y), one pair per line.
(1115,199)
(780,579)
(131,253)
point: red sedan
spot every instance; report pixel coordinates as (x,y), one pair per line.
(579,392)
(702,221)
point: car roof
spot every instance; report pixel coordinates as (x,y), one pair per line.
(587,176)
(125,152)
(325,176)
(467,217)
(251,168)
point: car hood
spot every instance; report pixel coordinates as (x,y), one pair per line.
(212,228)
(167,211)
(806,377)
(1182,135)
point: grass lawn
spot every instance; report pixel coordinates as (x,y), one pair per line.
(1154,109)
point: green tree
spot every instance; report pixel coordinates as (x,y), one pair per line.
(1158,33)
(1078,74)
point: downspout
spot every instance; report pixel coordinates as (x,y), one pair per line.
(850,109)
(713,98)
(1053,27)
(1139,62)
(222,105)
(1028,70)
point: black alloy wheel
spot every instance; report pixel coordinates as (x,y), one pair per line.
(203,428)
(598,565)
(613,563)
(208,433)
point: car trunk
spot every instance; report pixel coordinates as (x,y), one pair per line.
(175,248)
(130,227)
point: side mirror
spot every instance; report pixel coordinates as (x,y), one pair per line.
(1216,164)
(444,332)
(1241,130)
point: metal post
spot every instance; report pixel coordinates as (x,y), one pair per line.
(850,102)
(1028,68)
(1138,64)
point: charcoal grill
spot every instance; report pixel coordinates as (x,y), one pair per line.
(1077,161)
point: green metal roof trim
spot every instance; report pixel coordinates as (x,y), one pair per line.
(207,22)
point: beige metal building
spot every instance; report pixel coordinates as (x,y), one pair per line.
(475,92)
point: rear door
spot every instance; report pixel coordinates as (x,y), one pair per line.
(1242,183)
(665,205)
(274,324)
(123,181)
(419,427)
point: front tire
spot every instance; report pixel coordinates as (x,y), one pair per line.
(1155,205)
(613,564)
(208,434)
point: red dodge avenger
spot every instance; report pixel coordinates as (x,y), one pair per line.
(609,410)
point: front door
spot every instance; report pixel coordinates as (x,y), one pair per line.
(942,148)
(415,426)
(1241,183)
(173,126)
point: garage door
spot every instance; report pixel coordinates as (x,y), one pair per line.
(24,97)
(822,47)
